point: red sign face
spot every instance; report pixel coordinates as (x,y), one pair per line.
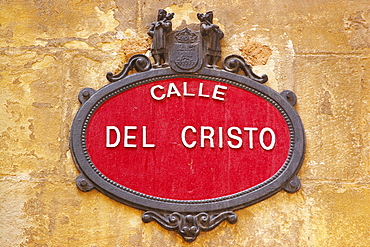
(187,139)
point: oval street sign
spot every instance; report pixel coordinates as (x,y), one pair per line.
(164,142)
(185,141)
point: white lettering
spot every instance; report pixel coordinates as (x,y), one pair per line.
(250,135)
(183,137)
(220,139)
(153,94)
(186,90)
(209,137)
(172,89)
(127,137)
(118,137)
(273,138)
(145,144)
(200,94)
(234,137)
(216,92)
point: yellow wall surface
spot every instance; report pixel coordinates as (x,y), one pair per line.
(50,50)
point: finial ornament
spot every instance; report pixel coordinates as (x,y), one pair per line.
(158,31)
(212,35)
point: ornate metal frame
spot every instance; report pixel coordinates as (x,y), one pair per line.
(187,217)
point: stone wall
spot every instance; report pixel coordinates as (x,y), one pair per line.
(50,50)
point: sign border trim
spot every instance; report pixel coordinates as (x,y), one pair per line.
(143,201)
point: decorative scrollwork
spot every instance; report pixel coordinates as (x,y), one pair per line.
(189,225)
(233,63)
(139,62)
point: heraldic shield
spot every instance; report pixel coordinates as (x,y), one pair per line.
(186,50)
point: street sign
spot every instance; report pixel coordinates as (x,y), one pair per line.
(185,141)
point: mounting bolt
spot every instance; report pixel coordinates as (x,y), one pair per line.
(293,186)
(232,218)
(289,96)
(146,218)
(85,93)
(83,184)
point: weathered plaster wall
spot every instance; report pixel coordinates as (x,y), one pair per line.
(50,50)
